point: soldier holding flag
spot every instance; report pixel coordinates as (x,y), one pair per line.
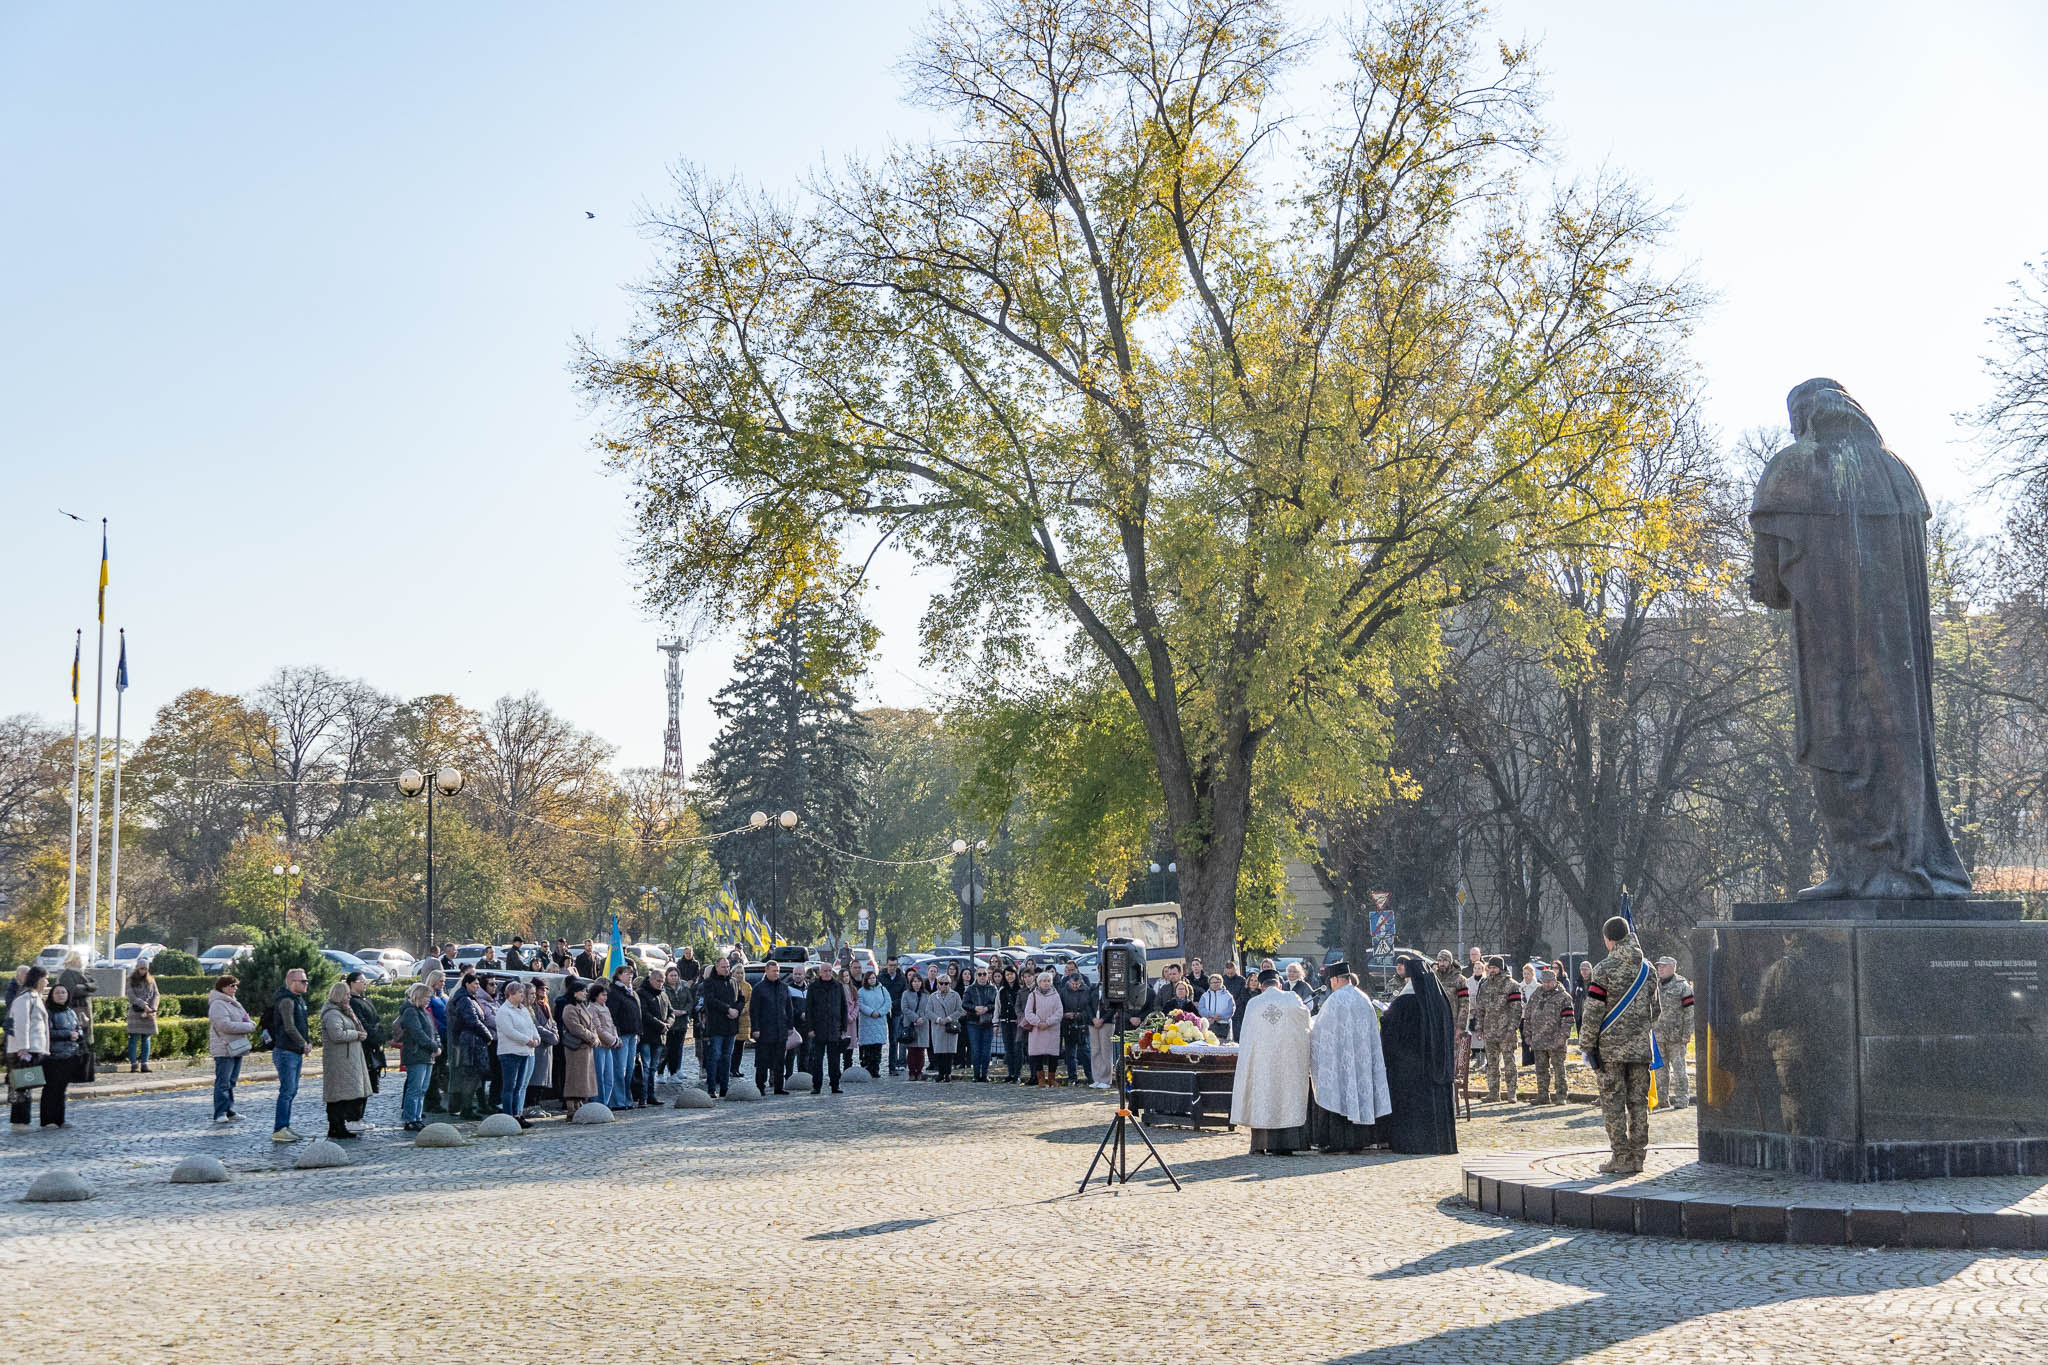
(1617,1039)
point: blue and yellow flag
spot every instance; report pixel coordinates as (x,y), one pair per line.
(103,573)
(77,645)
(616,958)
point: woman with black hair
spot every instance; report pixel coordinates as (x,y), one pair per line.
(1419,1043)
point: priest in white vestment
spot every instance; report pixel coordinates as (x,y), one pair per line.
(1270,1094)
(1348,1069)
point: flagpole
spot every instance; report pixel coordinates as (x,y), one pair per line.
(114,857)
(99,691)
(71,897)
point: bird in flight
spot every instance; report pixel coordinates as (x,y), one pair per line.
(73,515)
(588,214)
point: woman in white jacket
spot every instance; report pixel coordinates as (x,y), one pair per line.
(518,1036)
(28,1038)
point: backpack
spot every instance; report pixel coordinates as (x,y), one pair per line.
(266,1024)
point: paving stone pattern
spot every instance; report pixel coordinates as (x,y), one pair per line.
(916,1223)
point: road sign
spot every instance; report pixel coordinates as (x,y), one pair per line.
(863,923)
(1381,899)
(1382,925)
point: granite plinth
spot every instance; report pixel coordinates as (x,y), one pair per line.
(1873,1049)
(1891,908)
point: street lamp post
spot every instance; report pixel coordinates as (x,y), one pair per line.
(284,873)
(787,821)
(970,893)
(411,782)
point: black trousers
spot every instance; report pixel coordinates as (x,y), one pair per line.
(824,1052)
(768,1067)
(437,1085)
(944,1054)
(871,1058)
(56,1077)
(672,1054)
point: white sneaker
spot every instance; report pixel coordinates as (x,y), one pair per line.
(284,1135)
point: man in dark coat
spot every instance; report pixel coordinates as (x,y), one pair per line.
(1077,1007)
(770,1014)
(824,1027)
(687,966)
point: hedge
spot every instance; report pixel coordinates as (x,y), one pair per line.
(174,1038)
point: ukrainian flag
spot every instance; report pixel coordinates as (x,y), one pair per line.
(616,958)
(77,644)
(103,572)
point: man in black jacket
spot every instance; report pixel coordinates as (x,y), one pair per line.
(625,1008)
(687,966)
(771,1016)
(824,1027)
(656,1015)
(1077,1007)
(895,982)
(291,1039)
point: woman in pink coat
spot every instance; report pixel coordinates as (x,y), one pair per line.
(1040,1021)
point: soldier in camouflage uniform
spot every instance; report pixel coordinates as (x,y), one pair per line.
(1616,1040)
(1674,1032)
(1497,1012)
(1446,973)
(1548,1015)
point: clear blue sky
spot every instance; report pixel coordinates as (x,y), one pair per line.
(290,293)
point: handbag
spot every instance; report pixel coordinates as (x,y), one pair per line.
(240,1046)
(794,1041)
(25,1078)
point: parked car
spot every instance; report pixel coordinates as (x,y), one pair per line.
(396,962)
(349,962)
(651,956)
(1091,968)
(53,958)
(127,956)
(221,957)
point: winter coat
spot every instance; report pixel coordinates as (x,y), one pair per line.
(1548,1015)
(344,1075)
(1077,1001)
(771,1011)
(142,1003)
(936,1009)
(625,1008)
(417,1037)
(976,998)
(744,993)
(470,1035)
(517,1036)
(67,1031)
(656,1015)
(825,1012)
(1216,1005)
(719,996)
(225,1019)
(602,1020)
(28,1025)
(1041,1014)
(875,1009)
(542,1077)
(1006,1003)
(579,1067)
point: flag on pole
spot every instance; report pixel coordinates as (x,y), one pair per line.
(616,958)
(120,678)
(77,647)
(103,574)
(1656,1054)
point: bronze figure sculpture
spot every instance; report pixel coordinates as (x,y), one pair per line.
(1840,527)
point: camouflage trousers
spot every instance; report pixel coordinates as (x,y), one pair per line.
(1550,1075)
(1507,1053)
(1673,1084)
(1625,1105)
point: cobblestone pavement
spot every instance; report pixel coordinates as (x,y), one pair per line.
(910,1223)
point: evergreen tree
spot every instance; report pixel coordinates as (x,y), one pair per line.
(789,740)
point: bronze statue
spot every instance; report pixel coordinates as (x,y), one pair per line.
(1841,540)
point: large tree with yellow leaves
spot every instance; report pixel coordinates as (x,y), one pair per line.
(1242,402)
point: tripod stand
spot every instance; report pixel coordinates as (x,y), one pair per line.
(1118,1168)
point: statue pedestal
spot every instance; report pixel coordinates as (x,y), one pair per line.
(1873,1040)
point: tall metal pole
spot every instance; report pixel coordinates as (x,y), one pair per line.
(774,876)
(973,895)
(71,897)
(430,865)
(99,688)
(114,857)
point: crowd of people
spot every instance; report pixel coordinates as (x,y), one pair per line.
(483,1038)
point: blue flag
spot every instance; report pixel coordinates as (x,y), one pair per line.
(121,668)
(617,957)
(1643,977)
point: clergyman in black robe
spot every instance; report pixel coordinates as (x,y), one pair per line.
(1840,527)
(1418,1041)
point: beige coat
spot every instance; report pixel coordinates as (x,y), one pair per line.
(142,1003)
(344,1075)
(579,1068)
